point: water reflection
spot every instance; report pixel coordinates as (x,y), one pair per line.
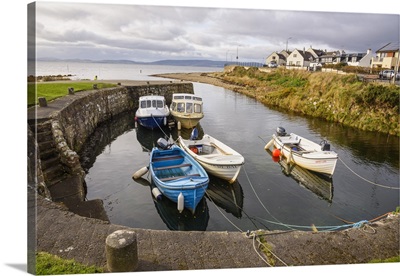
(103,136)
(226,196)
(321,185)
(173,219)
(148,137)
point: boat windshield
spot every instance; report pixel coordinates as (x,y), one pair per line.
(197,108)
(158,104)
(189,107)
(145,104)
(180,107)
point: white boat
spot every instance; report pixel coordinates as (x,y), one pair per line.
(217,158)
(187,109)
(152,112)
(303,152)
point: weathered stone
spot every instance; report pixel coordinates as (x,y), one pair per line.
(121,251)
(42,101)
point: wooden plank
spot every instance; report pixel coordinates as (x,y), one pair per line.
(172,167)
(177,177)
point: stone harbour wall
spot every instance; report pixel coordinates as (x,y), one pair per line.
(79,119)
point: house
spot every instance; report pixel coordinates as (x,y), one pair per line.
(278,58)
(387,57)
(358,59)
(300,58)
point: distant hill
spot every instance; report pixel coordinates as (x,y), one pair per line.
(193,62)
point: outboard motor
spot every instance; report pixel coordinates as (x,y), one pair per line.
(325,146)
(280,131)
(162,143)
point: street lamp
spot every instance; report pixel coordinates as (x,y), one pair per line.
(287,41)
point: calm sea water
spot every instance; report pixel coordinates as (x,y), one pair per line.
(107,71)
(267,194)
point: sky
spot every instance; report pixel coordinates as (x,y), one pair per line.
(143,32)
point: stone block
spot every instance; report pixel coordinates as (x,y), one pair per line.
(42,101)
(122,251)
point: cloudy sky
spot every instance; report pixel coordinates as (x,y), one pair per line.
(150,32)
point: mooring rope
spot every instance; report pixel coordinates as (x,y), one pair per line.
(255,193)
(373,183)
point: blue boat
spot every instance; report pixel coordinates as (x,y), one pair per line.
(178,176)
(152,112)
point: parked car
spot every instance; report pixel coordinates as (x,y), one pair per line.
(388,74)
(272,65)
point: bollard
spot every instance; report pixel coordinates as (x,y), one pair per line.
(42,101)
(71,90)
(121,251)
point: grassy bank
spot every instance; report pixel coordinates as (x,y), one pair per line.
(54,90)
(47,264)
(337,98)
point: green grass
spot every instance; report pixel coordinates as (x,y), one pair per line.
(47,264)
(53,90)
(395,259)
(334,97)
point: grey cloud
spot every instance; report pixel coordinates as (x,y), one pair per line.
(156,32)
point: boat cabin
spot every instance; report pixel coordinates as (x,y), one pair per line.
(152,102)
(187,103)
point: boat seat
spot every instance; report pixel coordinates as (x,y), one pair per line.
(172,167)
(164,158)
(178,177)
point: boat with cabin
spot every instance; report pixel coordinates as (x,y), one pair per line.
(152,112)
(187,109)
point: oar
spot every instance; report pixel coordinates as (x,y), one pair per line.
(140,172)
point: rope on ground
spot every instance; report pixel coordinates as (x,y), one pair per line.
(373,183)
(256,238)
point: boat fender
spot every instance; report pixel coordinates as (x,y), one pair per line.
(195,150)
(165,121)
(181,202)
(276,153)
(156,193)
(140,172)
(179,125)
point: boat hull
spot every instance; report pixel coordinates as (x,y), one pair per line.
(174,172)
(318,160)
(152,122)
(216,158)
(187,121)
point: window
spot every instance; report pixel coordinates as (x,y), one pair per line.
(143,104)
(173,106)
(294,55)
(181,107)
(197,108)
(160,104)
(189,108)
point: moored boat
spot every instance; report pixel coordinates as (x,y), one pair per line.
(178,176)
(216,157)
(303,152)
(152,112)
(187,109)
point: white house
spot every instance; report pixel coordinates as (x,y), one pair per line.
(299,58)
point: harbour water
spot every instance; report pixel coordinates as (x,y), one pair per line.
(267,194)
